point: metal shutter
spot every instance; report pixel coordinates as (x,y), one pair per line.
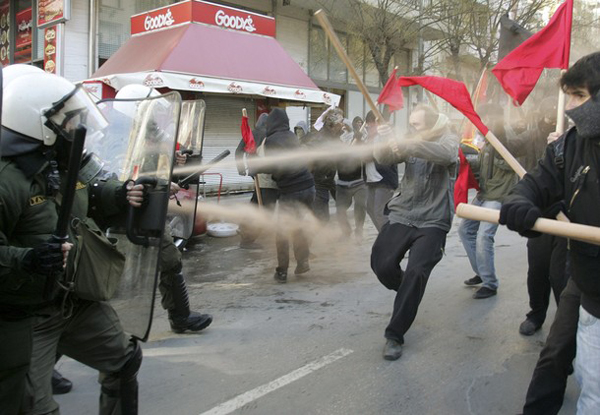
(222,132)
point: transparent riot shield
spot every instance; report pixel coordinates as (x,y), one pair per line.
(139,145)
(182,207)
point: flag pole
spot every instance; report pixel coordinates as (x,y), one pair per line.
(560,109)
(576,231)
(335,41)
(255,178)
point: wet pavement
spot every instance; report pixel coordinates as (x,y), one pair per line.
(313,345)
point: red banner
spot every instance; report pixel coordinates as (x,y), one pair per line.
(4,29)
(203,12)
(50,49)
(162,18)
(50,12)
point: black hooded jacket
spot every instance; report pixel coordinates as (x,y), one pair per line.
(289,178)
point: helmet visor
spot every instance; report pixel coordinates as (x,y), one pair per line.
(74,109)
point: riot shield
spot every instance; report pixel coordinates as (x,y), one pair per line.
(182,207)
(139,145)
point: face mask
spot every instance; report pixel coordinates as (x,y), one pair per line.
(586,118)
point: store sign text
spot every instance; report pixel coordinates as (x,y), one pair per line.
(160,21)
(234,22)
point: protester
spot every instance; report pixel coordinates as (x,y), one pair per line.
(569,171)
(351,186)
(301,130)
(547,254)
(268,189)
(323,171)
(296,194)
(419,219)
(496,178)
(382,179)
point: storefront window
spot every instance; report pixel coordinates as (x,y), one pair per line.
(371,73)
(24,31)
(356,52)
(318,54)
(337,69)
(114,22)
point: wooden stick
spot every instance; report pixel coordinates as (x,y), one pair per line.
(244,112)
(335,41)
(578,232)
(258,193)
(510,159)
(560,109)
(432,100)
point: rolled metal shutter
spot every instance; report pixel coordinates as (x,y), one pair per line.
(222,132)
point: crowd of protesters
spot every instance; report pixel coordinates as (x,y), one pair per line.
(415,215)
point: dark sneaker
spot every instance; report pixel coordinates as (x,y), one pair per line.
(392,350)
(281,276)
(474,281)
(60,385)
(484,292)
(528,327)
(302,267)
(193,322)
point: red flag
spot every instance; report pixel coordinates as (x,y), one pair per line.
(465,181)
(391,94)
(247,136)
(479,97)
(520,70)
(450,90)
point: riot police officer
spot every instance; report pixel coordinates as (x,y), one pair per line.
(37,114)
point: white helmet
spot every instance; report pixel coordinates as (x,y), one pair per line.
(39,106)
(11,72)
(128,98)
(136,91)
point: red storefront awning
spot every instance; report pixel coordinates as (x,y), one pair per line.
(199,57)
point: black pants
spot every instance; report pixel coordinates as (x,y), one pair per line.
(293,207)
(547,257)
(426,246)
(547,387)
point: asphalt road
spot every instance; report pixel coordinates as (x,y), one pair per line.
(313,345)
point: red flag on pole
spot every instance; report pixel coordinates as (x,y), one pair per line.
(520,70)
(247,136)
(391,94)
(465,181)
(454,92)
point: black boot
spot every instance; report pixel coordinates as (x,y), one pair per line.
(60,385)
(180,317)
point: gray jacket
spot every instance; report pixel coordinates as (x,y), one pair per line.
(426,196)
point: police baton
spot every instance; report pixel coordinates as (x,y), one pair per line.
(61,234)
(185,182)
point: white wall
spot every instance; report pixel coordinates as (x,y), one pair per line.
(292,34)
(76,41)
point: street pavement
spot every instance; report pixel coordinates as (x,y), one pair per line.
(313,345)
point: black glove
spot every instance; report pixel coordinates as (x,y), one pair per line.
(45,259)
(520,216)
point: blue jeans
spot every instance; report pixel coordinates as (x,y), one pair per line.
(478,240)
(587,363)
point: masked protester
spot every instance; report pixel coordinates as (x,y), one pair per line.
(37,130)
(382,178)
(296,195)
(568,171)
(496,178)
(419,219)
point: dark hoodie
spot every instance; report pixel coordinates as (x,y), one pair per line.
(259,133)
(279,140)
